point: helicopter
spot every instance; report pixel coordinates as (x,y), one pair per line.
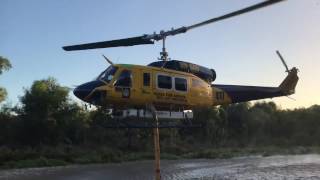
(171,85)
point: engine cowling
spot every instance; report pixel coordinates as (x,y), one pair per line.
(208,75)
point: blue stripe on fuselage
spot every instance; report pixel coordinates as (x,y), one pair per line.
(247,93)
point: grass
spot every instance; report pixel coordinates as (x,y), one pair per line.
(39,162)
(27,157)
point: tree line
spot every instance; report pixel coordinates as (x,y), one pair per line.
(47,123)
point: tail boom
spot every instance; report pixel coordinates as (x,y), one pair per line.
(236,93)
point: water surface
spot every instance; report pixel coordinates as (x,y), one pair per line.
(255,167)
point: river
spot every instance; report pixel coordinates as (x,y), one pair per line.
(252,167)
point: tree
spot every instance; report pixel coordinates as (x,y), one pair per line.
(237,115)
(41,105)
(7,125)
(4,66)
(3,94)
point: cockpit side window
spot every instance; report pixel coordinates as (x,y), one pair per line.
(108,74)
(125,79)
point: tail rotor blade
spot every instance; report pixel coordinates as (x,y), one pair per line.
(282,60)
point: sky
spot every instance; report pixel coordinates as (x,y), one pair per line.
(241,49)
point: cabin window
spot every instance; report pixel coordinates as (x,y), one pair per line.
(108,74)
(146,79)
(180,84)
(164,82)
(125,79)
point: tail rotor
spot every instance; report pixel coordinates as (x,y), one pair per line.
(288,85)
(283,61)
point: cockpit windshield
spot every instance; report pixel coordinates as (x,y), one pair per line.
(108,74)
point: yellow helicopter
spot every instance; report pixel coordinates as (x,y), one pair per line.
(171,85)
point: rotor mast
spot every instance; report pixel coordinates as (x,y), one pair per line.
(164,54)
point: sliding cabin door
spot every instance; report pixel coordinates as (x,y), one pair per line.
(145,80)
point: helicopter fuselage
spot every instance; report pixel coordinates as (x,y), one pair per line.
(134,86)
(124,86)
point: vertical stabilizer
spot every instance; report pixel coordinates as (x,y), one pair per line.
(288,85)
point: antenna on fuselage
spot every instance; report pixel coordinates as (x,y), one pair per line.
(108,60)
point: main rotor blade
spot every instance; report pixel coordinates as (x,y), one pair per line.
(149,39)
(107,44)
(236,13)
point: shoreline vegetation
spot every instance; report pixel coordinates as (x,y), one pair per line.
(52,157)
(48,128)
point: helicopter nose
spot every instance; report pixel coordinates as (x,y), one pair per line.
(81,93)
(84,90)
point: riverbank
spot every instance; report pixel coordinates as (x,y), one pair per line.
(61,156)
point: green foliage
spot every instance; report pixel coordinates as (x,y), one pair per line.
(43,106)
(3,94)
(47,128)
(44,97)
(4,66)
(39,162)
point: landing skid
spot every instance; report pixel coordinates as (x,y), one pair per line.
(143,113)
(142,119)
